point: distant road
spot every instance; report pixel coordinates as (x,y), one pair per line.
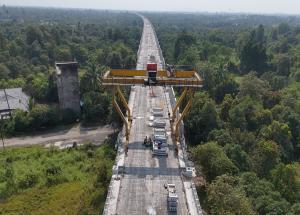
(76,133)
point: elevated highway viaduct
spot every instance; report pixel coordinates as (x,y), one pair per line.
(140,188)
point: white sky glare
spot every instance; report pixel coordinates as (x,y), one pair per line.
(251,6)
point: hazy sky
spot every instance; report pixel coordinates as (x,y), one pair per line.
(254,6)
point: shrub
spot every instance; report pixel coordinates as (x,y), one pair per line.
(53,174)
(69,116)
(28,180)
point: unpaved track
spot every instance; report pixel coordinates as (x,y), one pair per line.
(74,134)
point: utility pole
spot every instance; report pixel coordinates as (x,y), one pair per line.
(1,131)
(6,100)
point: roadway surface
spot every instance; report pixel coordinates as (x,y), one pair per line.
(142,186)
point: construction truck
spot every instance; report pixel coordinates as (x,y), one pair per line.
(159,149)
(172,199)
(160,136)
(152,73)
(189,172)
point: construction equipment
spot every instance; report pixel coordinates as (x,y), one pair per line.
(151,77)
(189,172)
(159,149)
(160,136)
(152,73)
(172,199)
(188,79)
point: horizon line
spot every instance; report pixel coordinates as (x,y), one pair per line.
(160,11)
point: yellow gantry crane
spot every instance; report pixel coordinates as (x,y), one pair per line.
(188,79)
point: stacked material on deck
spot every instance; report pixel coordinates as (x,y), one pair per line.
(160,131)
(159,123)
(157,112)
(160,143)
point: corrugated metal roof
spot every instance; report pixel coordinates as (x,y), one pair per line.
(17,99)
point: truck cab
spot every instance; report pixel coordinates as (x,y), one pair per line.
(152,73)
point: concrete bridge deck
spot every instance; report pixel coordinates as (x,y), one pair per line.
(140,190)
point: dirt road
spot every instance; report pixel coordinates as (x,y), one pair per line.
(76,133)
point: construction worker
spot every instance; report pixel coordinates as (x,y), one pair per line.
(172,70)
(169,70)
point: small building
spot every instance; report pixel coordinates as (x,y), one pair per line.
(12,99)
(68,86)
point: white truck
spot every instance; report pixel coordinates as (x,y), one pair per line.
(159,149)
(189,172)
(172,199)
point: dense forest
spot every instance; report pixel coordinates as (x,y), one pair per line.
(243,130)
(32,39)
(244,127)
(36,180)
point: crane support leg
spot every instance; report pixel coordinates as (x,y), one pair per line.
(123,100)
(127,123)
(178,103)
(184,113)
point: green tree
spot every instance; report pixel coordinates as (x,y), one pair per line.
(80,54)
(114,60)
(238,156)
(90,81)
(33,33)
(213,160)
(21,120)
(226,87)
(225,107)
(283,65)
(226,197)
(237,118)
(264,157)
(284,178)
(202,118)
(3,41)
(4,71)
(42,115)
(265,199)
(221,136)
(253,55)
(38,86)
(281,134)
(182,43)
(283,28)
(63,54)
(253,86)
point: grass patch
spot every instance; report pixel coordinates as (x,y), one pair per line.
(36,180)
